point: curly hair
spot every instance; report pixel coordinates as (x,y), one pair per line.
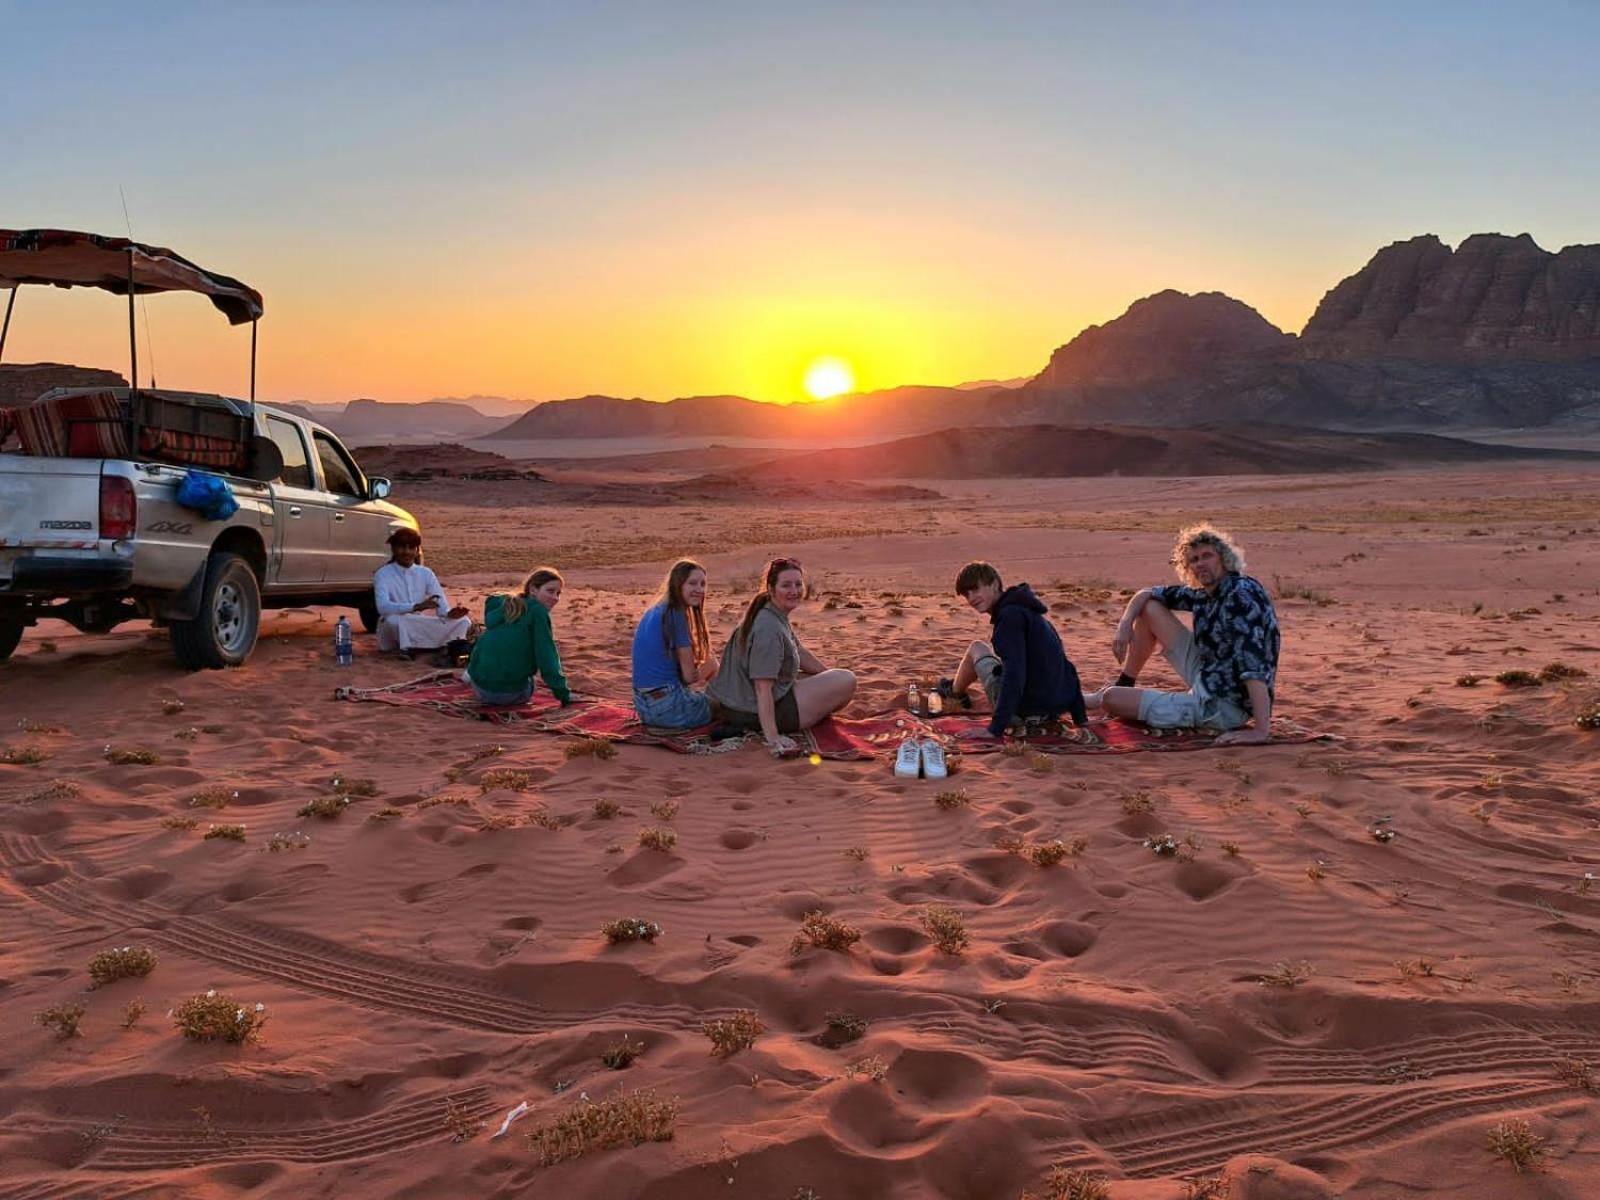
(1205,535)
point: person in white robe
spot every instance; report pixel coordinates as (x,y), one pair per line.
(413,611)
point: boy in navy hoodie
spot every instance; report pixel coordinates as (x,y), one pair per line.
(1025,673)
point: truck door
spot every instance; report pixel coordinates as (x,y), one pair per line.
(357,530)
(299,510)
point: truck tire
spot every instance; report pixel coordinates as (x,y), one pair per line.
(224,631)
(10,634)
(368,608)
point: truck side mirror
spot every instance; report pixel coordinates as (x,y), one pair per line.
(378,488)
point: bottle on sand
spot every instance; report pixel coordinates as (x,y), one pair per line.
(344,647)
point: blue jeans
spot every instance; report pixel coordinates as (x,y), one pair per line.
(672,707)
(502,698)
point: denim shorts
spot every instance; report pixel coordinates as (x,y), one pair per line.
(672,707)
(498,699)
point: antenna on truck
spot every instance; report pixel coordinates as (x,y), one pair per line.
(144,303)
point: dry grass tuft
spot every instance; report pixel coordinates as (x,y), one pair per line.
(24,756)
(825,933)
(63,1018)
(171,708)
(606,809)
(505,779)
(134,756)
(1468,680)
(213,797)
(1577,1073)
(729,1035)
(1517,679)
(626,1119)
(1588,716)
(326,807)
(1515,1142)
(619,1056)
(597,748)
(1134,803)
(950,801)
(345,785)
(280,842)
(435,801)
(1285,974)
(132,1012)
(664,810)
(1041,764)
(944,925)
(1014,748)
(218,1018)
(1231,849)
(658,839)
(1065,1184)
(460,1121)
(630,929)
(129,962)
(872,1067)
(230,833)
(56,789)
(856,854)
(179,822)
(386,813)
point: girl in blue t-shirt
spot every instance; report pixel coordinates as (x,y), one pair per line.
(672,652)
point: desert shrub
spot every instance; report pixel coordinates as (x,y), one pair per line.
(1068,1184)
(606,809)
(179,822)
(136,756)
(128,962)
(1577,1073)
(1048,854)
(326,807)
(658,839)
(825,933)
(1468,680)
(346,785)
(63,1018)
(598,748)
(1134,803)
(460,1120)
(856,853)
(1557,671)
(218,1018)
(840,1029)
(1163,844)
(387,813)
(132,1012)
(729,1035)
(171,708)
(945,926)
(505,779)
(1515,1142)
(56,789)
(872,1067)
(1011,843)
(630,929)
(231,833)
(435,801)
(1517,679)
(1285,974)
(620,1055)
(626,1119)
(1207,1187)
(1589,716)
(279,842)
(950,801)
(24,756)
(664,810)
(1231,849)
(1014,748)
(213,797)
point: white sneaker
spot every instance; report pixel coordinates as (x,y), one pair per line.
(933,759)
(908,762)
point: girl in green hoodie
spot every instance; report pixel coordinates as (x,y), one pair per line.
(518,643)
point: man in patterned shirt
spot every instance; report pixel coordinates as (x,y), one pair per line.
(1229,661)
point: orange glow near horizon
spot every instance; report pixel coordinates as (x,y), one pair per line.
(829,377)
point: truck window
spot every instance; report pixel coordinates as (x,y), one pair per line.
(296,468)
(337,471)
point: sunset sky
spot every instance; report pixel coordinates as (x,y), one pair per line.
(664,199)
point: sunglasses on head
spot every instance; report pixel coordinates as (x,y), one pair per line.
(786,564)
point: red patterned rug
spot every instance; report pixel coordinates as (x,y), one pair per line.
(836,738)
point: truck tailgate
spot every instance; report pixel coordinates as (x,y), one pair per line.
(49,503)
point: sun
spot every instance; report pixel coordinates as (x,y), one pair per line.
(829,377)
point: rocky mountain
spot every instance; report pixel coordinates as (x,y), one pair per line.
(1492,299)
(23,383)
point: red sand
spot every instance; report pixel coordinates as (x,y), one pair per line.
(1110,1012)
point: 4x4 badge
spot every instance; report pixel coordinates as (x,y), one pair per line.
(170,527)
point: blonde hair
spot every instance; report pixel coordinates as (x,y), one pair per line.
(516,605)
(1205,535)
(670,598)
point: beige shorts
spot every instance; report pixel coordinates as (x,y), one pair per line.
(1194,709)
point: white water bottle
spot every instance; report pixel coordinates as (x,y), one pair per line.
(913,699)
(344,648)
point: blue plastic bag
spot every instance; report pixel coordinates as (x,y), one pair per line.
(209,495)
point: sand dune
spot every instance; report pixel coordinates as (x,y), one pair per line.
(432,956)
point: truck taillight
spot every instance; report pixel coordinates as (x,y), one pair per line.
(118,508)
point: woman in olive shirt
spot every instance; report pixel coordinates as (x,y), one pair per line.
(768,680)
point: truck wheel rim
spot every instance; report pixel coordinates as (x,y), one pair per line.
(229,614)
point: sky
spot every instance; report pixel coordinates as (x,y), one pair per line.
(662,199)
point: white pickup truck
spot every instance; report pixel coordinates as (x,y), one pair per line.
(95,541)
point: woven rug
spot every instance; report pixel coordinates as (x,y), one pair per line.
(840,738)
